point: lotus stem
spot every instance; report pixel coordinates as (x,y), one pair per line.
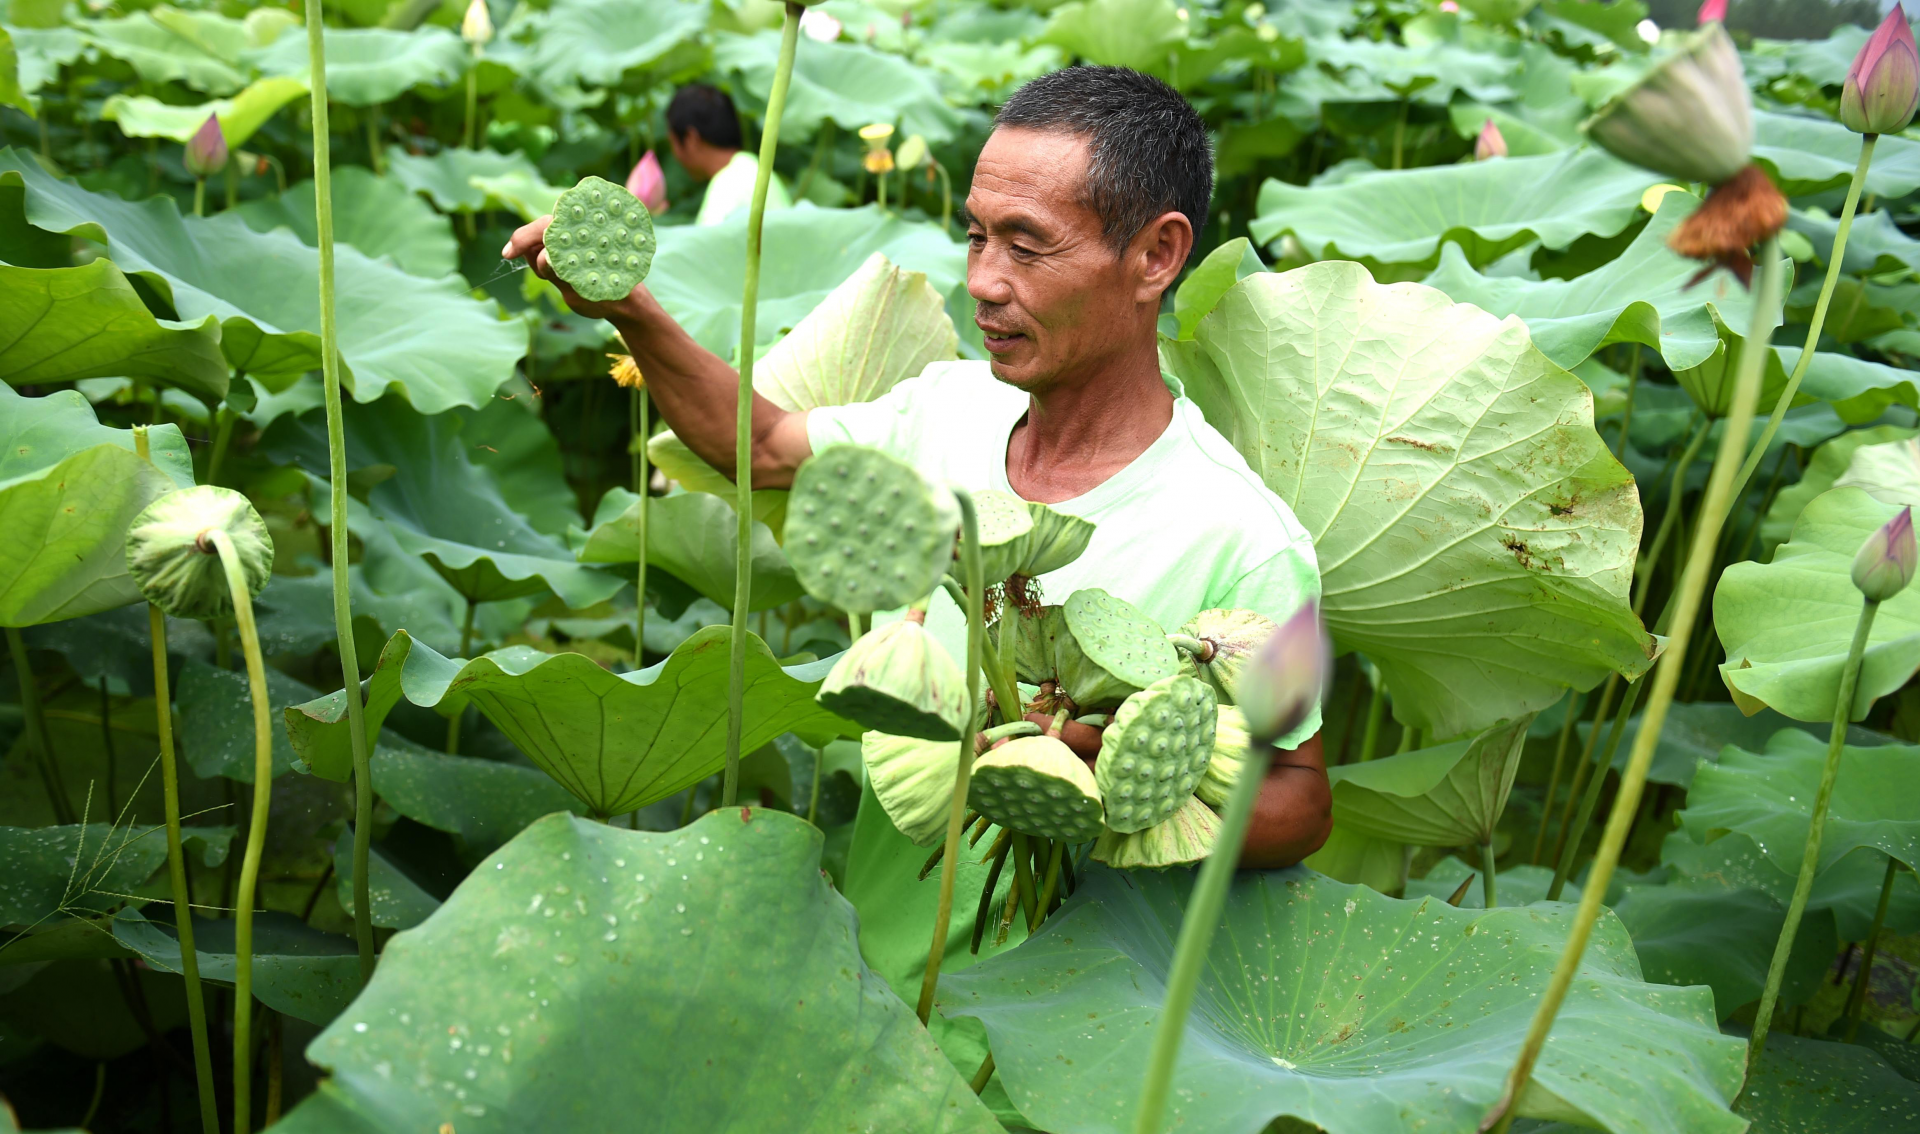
(1701,426)
(963,767)
(1208,898)
(1553,780)
(337,476)
(640,478)
(1487,889)
(1666,676)
(1857,997)
(1816,829)
(36,723)
(256,830)
(743,409)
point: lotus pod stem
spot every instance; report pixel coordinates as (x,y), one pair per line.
(1685,609)
(743,411)
(1816,829)
(337,512)
(963,768)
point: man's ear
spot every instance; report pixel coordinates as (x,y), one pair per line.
(1160,251)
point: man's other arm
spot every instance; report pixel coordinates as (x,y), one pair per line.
(695,390)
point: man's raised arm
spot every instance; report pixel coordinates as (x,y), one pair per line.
(695,390)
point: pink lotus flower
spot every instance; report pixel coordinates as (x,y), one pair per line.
(207,150)
(1713,12)
(1885,563)
(649,183)
(1883,85)
(1490,143)
(1286,677)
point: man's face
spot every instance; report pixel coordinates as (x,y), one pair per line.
(1053,295)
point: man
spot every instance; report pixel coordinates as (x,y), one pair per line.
(1082,213)
(704,131)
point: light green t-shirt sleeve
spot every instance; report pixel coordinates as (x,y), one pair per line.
(732,188)
(1277,588)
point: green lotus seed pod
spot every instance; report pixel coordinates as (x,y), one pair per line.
(1185,836)
(899,680)
(1005,524)
(178,568)
(1230,740)
(1155,751)
(913,779)
(1229,638)
(601,240)
(866,532)
(1110,651)
(1037,786)
(1035,637)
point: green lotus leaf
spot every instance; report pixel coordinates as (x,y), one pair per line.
(69,487)
(441,347)
(1520,885)
(143,116)
(397,900)
(617,742)
(377,215)
(1724,939)
(1698,731)
(1807,155)
(1444,796)
(301,971)
(695,537)
(600,43)
(1400,218)
(88,322)
(1828,464)
(448,177)
(1787,625)
(1839,1088)
(80,867)
(369,66)
(1849,889)
(664,959)
(1140,34)
(848,83)
(200,50)
(1475,538)
(1768,798)
(1356,1012)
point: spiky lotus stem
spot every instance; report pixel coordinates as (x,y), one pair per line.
(337,511)
(743,409)
(1666,677)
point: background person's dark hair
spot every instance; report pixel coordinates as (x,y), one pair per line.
(708,110)
(1148,151)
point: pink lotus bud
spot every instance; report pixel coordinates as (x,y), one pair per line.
(1449,6)
(1713,12)
(1883,85)
(1286,677)
(649,183)
(1489,144)
(207,150)
(1884,566)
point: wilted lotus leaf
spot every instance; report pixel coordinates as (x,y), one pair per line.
(867,532)
(1185,836)
(1155,752)
(899,679)
(178,567)
(601,240)
(1229,638)
(1005,525)
(1444,796)
(1110,650)
(1037,786)
(1230,741)
(913,779)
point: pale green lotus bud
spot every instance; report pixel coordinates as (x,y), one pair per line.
(172,556)
(1884,565)
(897,679)
(1883,84)
(1286,678)
(1689,117)
(206,152)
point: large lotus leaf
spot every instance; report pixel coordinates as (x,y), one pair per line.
(439,505)
(656,962)
(485,802)
(69,487)
(1489,208)
(1769,798)
(1810,155)
(369,66)
(441,347)
(377,215)
(1141,34)
(698,271)
(447,178)
(616,741)
(1788,624)
(1723,938)
(198,49)
(1341,1007)
(848,83)
(1834,1088)
(88,322)
(1698,731)
(694,537)
(80,867)
(1829,463)
(1849,889)
(1445,796)
(304,972)
(1474,535)
(143,116)
(597,43)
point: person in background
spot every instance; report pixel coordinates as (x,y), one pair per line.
(704,130)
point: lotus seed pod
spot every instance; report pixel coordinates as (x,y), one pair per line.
(899,680)
(1110,650)
(1230,638)
(1035,639)
(1005,525)
(601,240)
(1689,117)
(866,532)
(1230,742)
(1037,786)
(177,566)
(913,779)
(1155,751)
(1184,837)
